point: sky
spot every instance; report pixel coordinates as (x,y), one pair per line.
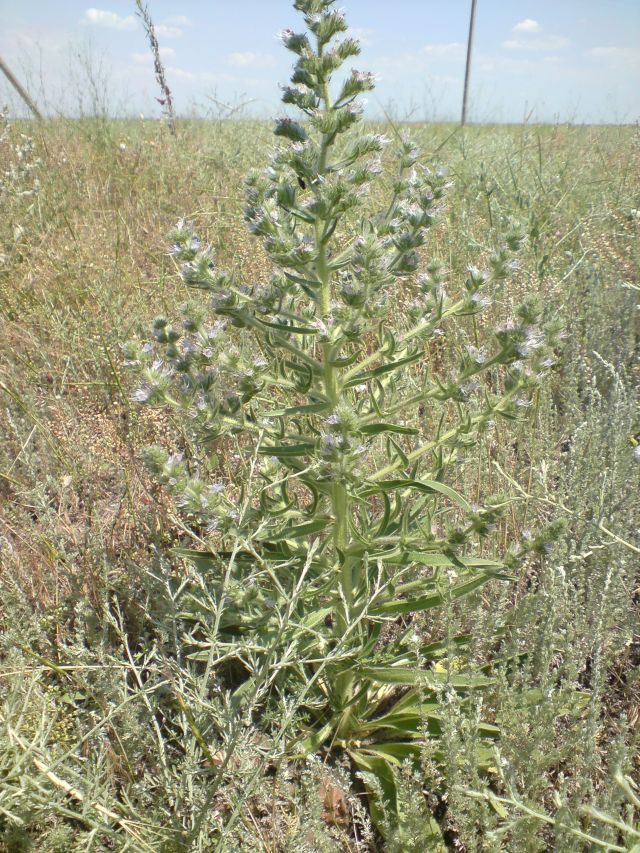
(540,60)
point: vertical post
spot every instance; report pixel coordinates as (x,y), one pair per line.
(467,70)
(19,89)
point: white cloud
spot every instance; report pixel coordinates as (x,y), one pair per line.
(537,44)
(108,20)
(167,31)
(166,53)
(453,50)
(527,26)
(251,60)
(427,60)
(628,55)
(178,20)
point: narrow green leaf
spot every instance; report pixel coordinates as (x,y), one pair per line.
(413,676)
(345,361)
(408,723)
(201,656)
(383,369)
(427,602)
(427,486)
(384,521)
(378,768)
(403,456)
(243,690)
(314,741)
(286,449)
(202,560)
(296,330)
(316,617)
(394,753)
(498,808)
(376,429)
(306,281)
(440,647)
(309,409)
(427,558)
(299,531)
(392,674)
(374,766)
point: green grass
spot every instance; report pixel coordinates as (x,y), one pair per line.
(89,588)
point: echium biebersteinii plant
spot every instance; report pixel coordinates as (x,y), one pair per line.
(350,523)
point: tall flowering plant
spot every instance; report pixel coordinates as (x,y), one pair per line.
(340,527)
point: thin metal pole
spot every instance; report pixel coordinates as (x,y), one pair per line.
(19,89)
(467,70)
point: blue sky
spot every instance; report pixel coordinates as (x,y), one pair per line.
(576,60)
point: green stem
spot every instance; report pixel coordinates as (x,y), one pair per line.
(340,503)
(416,330)
(381,473)
(280,341)
(408,403)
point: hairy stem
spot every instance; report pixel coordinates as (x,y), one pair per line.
(340,503)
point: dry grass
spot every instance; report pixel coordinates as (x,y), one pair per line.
(91,271)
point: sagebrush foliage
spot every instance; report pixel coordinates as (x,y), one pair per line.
(19,188)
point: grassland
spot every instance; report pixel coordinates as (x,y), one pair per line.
(86,570)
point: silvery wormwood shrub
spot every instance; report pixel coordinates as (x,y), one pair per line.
(19,187)
(339,525)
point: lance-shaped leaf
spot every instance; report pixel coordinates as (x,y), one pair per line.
(306,409)
(299,531)
(426,486)
(376,429)
(302,449)
(414,676)
(383,369)
(376,766)
(285,327)
(431,600)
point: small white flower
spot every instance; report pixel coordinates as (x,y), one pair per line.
(366,77)
(477,355)
(142,394)
(481,301)
(321,326)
